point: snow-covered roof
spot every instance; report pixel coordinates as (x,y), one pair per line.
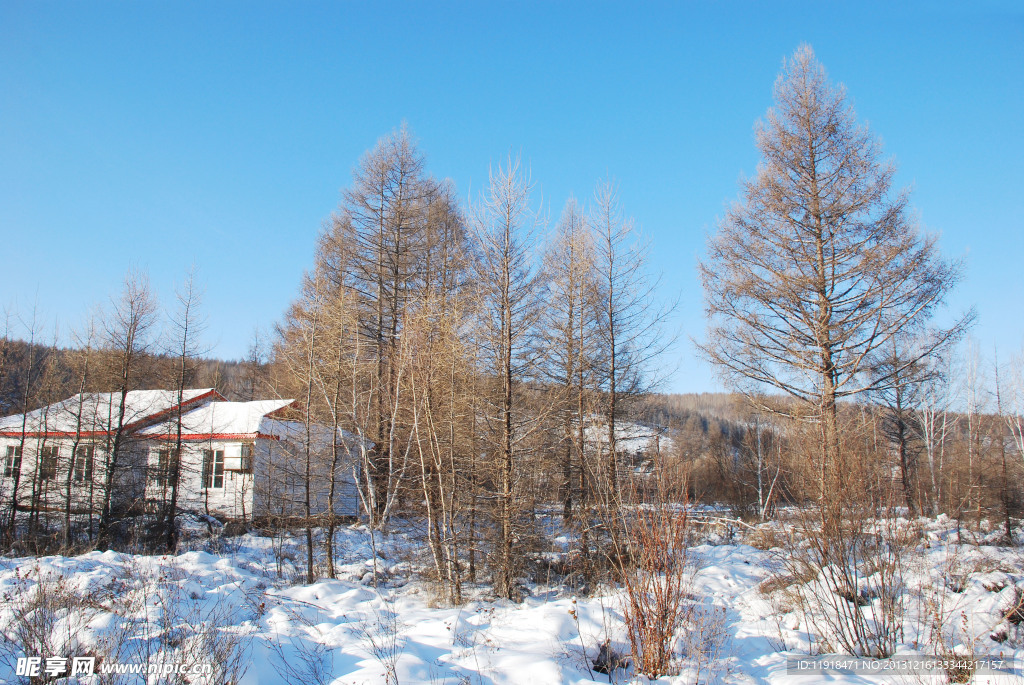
(219,420)
(629,436)
(319,435)
(94,413)
(248,421)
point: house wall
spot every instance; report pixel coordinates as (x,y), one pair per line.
(274,487)
(280,477)
(233,499)
(86,494)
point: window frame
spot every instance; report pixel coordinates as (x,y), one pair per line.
(213,469)
(82,467)
(162,474)
(12,461)
(248,450)
(49,456)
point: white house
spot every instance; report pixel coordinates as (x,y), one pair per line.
(239,460)
(245,460)
(60,453)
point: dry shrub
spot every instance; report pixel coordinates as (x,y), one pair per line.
(988,563)
(657,574)
(46,614)
(855,600)
(381,634)
(947,630)
(308,660)
(43,615)
(657,585)
(704,642)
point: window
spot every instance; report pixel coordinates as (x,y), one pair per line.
(12,464)
(213,469)
(166,472)
(245,463)
(82,472)
(48,462)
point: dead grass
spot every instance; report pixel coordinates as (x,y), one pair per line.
(1013,612)
(764,538)
(783,581)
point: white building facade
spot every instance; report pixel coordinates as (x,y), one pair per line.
(238,460)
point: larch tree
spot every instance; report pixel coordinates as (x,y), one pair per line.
(819,265)
(300,357)
(384,215)
(82,363)
(183,346)
(127,337)
(629,328)
(569,324)
(504,223)
(35,364)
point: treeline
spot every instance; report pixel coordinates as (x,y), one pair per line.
(232,378)
(938,454)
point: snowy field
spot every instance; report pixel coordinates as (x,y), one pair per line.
(240,604)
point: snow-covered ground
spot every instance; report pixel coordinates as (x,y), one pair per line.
(242,602)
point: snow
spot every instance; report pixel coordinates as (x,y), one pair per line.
(633,439)
(252,586)
(98,411)
(219,418)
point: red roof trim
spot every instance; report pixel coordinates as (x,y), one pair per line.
(171,409)
(211,436)
(55,434)
(276,414)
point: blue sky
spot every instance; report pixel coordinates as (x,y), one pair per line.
(159,134)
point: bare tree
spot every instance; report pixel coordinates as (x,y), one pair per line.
(44,464)
(1014,403)
(967,493)
(300,353)
(35,365)
(83,368)
(128,328)
(570,329)
(900,397)
(999,433)
(339,369)
(504,223)
(939,393)
(629,327)
(820,265)
(186,327)
(384,214)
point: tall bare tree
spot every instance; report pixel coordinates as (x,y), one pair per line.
(820,265)
(504,223)
(35,363)
(186,325)
(128,329)
(629,326)
(82,365)
(384,214)
(570,331)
